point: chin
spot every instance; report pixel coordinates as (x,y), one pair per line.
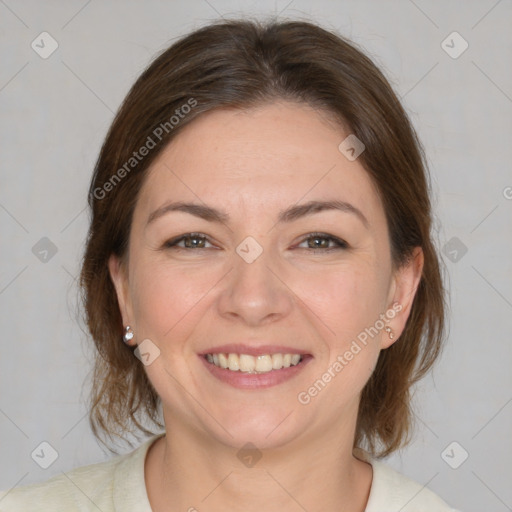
(263,427)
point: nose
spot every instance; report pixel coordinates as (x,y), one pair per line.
(255,292)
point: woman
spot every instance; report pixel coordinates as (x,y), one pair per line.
(259,274)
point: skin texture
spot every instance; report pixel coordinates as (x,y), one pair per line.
(252,164)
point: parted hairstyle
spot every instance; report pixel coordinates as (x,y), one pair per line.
(240,64)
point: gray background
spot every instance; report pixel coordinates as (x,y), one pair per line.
(55,113)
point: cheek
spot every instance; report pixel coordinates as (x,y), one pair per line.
(167,300)
(347,299)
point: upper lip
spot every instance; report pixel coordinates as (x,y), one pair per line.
(252,350)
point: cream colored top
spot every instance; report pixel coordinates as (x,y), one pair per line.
(118,485)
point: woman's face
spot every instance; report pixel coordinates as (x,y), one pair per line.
(267,275)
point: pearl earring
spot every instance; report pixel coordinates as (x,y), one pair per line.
(390,332)
(128,334)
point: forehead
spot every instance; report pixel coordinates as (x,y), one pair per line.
(279,153)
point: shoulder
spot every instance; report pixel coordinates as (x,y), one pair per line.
(101,486)
(392,491)
(66,490)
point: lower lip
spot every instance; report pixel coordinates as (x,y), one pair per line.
(243,380)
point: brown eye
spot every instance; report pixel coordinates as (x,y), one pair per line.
(324,242)
(190,241)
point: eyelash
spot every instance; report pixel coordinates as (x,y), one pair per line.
(340,244)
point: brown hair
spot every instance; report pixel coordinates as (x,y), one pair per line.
(240,64)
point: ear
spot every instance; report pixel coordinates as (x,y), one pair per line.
(119,276)
(402,293)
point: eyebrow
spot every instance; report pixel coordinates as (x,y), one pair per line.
(291,214)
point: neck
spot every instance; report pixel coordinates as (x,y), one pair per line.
(186,470)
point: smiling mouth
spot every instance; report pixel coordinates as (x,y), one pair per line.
(246,363)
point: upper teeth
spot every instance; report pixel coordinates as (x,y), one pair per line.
(250,364)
